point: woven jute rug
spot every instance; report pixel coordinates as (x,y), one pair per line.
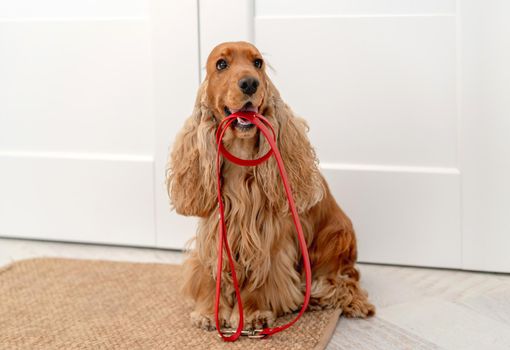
(84,304)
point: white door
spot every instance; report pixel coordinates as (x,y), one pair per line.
(91,94)
(408,107)
(406,100)
(377,82)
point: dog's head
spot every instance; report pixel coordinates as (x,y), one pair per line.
(237,81)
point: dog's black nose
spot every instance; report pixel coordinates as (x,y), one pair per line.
(248,85)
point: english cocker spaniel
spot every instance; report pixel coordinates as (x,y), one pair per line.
(260,227)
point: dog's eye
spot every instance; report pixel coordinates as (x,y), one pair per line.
(221,64)
(258,63)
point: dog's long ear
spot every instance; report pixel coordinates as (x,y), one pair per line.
(298,156)
(191,169)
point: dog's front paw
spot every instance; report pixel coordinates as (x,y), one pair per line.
(359,308)
(253,319)
(207,322)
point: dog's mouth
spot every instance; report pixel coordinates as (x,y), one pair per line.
(241,123)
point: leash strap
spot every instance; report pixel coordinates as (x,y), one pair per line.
(267,129)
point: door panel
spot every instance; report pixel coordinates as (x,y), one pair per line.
(377,82)
(380,91)
(76,125)
(380,98)
(401,216)
(76,86)
(75,197)
(91,97)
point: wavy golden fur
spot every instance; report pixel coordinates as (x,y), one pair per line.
(260,228)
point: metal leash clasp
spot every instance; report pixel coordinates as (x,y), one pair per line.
(251,333)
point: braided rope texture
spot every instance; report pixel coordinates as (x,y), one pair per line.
(48,303)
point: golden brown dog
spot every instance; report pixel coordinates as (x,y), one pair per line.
(260,227)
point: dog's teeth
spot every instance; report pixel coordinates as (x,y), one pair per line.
(243,121)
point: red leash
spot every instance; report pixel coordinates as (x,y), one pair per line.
(262,123)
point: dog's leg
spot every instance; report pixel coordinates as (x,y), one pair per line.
(335,279)
(340,292)
(199,286)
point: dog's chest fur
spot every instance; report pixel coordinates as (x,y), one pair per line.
(254,229)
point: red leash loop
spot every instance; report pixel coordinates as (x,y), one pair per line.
(264,126)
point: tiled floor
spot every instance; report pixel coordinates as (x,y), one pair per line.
(417,308)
